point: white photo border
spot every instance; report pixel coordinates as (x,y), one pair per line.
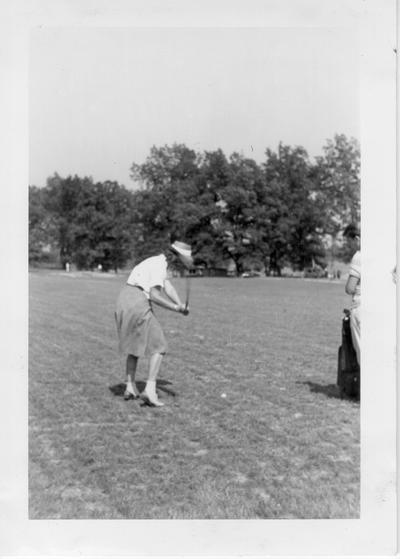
(375,532)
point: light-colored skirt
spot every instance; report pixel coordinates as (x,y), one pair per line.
(139,331)
(355,326)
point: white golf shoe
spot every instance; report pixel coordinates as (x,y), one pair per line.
(151,400)
(128,395)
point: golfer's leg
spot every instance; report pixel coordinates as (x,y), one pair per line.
(154,367)
(131,364)
(155,363)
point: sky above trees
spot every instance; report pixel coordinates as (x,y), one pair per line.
(101,97)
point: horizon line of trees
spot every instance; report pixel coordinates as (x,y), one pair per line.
(288,210)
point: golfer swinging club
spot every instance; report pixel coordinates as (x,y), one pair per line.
(139,332)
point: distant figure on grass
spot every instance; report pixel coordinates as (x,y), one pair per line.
(353,285)
(140,334)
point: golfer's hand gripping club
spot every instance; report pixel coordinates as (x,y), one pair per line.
(182,309)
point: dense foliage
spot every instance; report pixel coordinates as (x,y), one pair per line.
(286,210)
(89,223)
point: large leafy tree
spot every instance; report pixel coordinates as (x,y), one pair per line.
(208,236)
(111,225)
(64,198)
(94,221)
(293,223)
(173,202)
(208,200)
(336,177)
(337,183)
(240,200)
(164,166)
(42,227)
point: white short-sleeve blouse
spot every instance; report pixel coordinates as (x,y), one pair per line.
(149,273)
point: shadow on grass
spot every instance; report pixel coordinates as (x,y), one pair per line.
(330,390)
(119,389)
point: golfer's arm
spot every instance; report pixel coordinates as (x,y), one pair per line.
(156,297)
(351,285)
(171,292)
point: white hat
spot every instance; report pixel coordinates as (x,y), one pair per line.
(184,251)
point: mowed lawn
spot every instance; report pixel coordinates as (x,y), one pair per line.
(281,444)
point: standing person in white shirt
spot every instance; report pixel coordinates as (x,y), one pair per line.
(139,332)
(353,285)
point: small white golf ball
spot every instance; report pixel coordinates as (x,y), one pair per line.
(223,395)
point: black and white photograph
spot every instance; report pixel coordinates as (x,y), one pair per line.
(190,305)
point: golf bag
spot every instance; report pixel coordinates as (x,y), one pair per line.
(348,374)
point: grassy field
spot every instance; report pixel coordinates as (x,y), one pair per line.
(280,445)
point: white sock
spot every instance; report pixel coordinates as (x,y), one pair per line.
(129,387)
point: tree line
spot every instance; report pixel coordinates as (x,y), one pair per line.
(287,210)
